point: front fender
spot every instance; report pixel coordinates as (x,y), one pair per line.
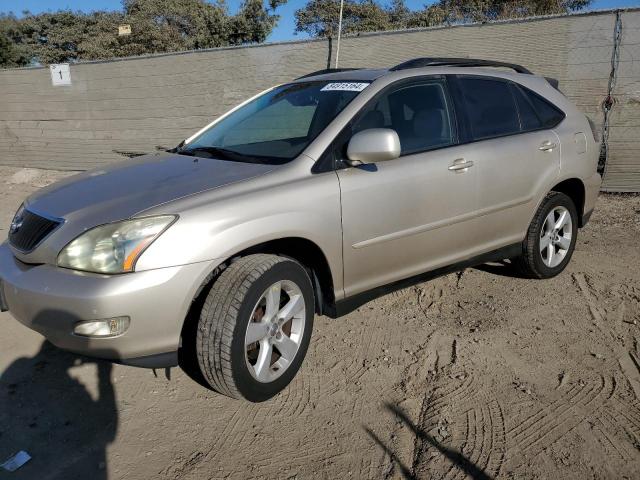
(218,231)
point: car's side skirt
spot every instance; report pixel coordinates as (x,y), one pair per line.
(349,304)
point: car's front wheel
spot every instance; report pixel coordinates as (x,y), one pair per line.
(255,327)
(551,237)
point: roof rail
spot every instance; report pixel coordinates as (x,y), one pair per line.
(327,70)
(456,62)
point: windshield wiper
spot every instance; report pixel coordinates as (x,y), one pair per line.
(224,154)
(213,152)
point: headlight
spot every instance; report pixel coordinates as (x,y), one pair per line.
(18,218)
(115,247)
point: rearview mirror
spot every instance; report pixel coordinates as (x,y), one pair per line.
(373,145)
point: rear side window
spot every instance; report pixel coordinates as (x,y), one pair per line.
(490,107)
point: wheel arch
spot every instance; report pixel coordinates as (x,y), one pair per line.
(574,188)
(310,256)
(302,250)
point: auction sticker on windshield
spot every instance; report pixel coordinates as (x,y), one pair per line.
(344,87)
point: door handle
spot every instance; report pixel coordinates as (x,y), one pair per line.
(547,146)
(460,165)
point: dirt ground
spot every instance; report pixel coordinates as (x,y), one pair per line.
(476,373)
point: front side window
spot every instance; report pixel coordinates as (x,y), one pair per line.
(490,107)
(419,113)
(277,126)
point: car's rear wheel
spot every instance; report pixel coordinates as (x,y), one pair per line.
(550,239)
(255,327)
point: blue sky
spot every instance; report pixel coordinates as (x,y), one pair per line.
(284,30)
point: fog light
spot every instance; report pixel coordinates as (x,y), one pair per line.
(109,327)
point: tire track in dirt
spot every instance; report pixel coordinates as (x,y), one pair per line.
(461,415)
(441,400)
(483,442)
(591,404)
(631,419)
(360,358)
(551,428)
(182,466)
(488,449)
(370,341)
(546,415)
(436,355)
(432,296)
(589,293)
(626,405)
(628,360)
(630,366)
(608,428)
(480,436)
(240,430)
(484,438)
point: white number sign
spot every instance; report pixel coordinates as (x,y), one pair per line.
(60,74)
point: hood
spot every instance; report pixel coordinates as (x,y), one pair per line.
(124,189)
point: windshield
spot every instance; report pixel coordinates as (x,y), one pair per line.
(277,126)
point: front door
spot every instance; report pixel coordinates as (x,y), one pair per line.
(412,214)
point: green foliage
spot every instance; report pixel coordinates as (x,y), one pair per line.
(486,10)
(254,23)
(319,18)
(9,56)
(176,25)
(156,26)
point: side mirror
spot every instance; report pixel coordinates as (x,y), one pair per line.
(373,145)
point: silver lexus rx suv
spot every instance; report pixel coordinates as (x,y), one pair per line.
(312,197)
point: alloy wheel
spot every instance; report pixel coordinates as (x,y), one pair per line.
(555,236)
(275,331)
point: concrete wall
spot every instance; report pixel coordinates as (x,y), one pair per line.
(622,172)
(134,105)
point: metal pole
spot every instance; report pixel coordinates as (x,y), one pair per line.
(339,32)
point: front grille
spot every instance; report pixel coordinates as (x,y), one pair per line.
(32,231)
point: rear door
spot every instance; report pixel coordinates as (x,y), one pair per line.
(408,215)
(515,154)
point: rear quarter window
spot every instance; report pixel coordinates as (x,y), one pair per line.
(535,111)
(529,118)
(549,114)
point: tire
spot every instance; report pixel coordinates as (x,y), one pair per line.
(547,251)
(241,305)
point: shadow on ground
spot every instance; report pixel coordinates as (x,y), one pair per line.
(456,457)
(64,425)
(502,268)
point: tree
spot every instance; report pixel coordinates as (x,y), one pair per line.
(319,18)
(9,54)
(61,36)
(173,25)
(156,26)
(487,10)
(254,22)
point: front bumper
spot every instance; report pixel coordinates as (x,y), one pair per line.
(51,300)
